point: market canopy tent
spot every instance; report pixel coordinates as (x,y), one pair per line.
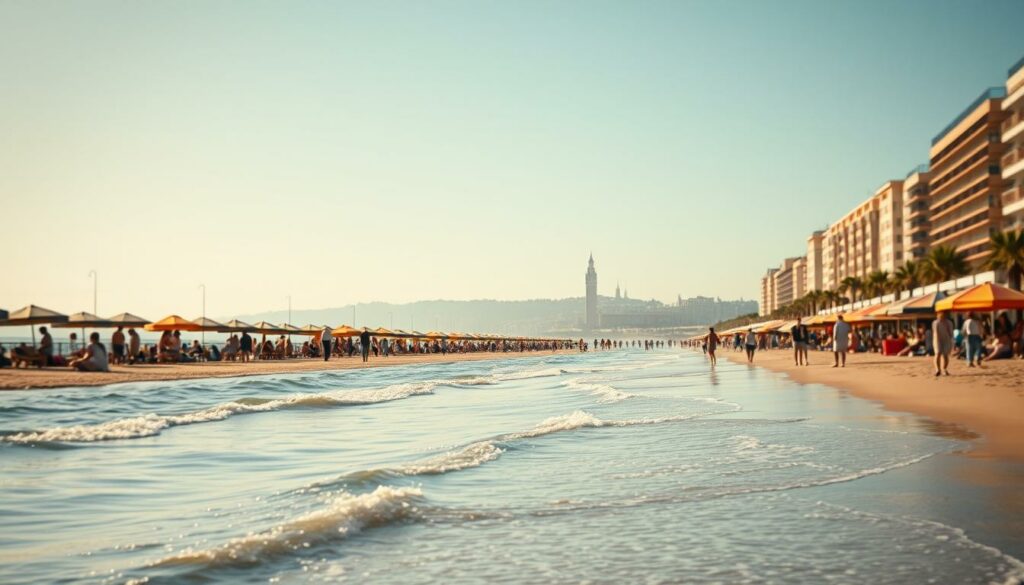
(923,305)
(173,323)
(983,297)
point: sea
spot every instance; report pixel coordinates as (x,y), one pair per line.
(623,466)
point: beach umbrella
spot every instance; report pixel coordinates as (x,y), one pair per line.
(172,323)
(292,329)
(83,320)
(33,315)
(128,320)
(983,297)
(207,324)
(267,328)
(236,326)
(311,329)
(434,335)
(382,332)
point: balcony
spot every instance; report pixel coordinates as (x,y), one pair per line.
(1013,125)
(1013,199)
(1013,162)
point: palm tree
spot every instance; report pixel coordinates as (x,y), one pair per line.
(831,297)
(1008,255)
(851,284)
(876,283)
(908,276)
(945,263)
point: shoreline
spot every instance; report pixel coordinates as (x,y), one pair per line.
(984,406)
(50,378)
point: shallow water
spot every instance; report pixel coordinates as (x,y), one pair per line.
(606,467)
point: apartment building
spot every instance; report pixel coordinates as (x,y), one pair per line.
(766,306)
(1013,143)
(890,225)
(814,262)
(853,244)
(966,186)
(916,224)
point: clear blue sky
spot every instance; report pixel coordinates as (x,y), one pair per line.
(344,152)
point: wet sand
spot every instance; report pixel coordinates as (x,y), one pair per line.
(20,379)
(986,403)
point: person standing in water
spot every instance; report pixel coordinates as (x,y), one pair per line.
(712,342)
(750,344)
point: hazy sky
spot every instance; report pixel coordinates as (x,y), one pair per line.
(344,152)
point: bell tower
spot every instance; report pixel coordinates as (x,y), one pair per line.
(591,295)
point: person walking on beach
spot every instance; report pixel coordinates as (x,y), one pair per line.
(942,340)
(750,344)
(972,333)
(364,345)
(799,335)
(325,341)
(840,341)
(712,342)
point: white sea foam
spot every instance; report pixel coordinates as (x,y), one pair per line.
(152,424)
(472,455)
(604,392)
(343,516)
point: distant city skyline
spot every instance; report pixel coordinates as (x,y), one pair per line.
(349,152)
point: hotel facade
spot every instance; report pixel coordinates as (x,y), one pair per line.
(972,186)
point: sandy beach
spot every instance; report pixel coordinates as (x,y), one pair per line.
(986,403)
(20,379)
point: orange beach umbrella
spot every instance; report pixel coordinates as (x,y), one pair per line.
(345,331)
(983,297)
(173,323)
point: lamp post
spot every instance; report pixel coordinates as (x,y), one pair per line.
(95,279)
(202,334)
(289,319)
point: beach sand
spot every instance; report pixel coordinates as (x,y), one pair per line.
(19,379)
(986,403)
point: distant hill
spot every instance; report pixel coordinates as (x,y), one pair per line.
(528,317)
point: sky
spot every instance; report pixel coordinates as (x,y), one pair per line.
(341,152)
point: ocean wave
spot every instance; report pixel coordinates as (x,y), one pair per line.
(604,392)
(153,424)
(344,516)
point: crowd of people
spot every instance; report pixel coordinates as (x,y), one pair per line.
(974,337)
(126,347)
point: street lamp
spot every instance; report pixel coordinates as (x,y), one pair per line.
(95,279)
(289,319)
(202,334)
